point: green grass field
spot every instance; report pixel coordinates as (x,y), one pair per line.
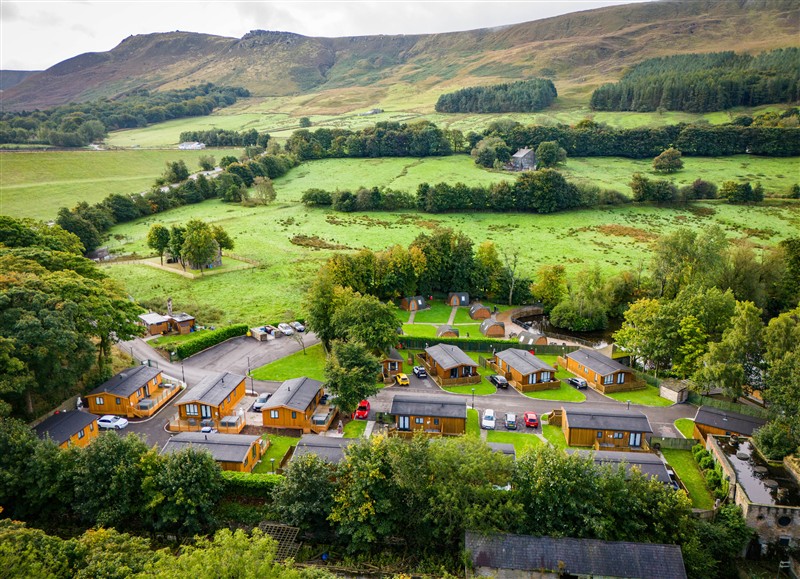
(278,446)
(355,428)
(565,393)
(685,426)
(37,184)
(520,440)
(686,468)
(647,397)
(438,313)
(312,365)
(554,436)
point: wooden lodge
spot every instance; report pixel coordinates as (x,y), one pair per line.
(713,421)
(458,299)
(649,464)
(493,329)
(478,311)
(532,339)
(432,415)
(601,372)
(236,452)
(296,405)
(606,429)
(446,331)
(69,428)
(328,448)
(391,365)
(449,366)
(414,303)
(211,403)
(135,392)
(155,324)
(182,323)
(524,371)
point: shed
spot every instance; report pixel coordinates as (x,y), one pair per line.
(327,448)
(154,323)
(458,299)
(478,311)
(606,429)
(237,452)
(493,329)
(446,331)
(414,303)
(524,160)
(710,420)
(674,390)
(65,428)
(182,323)
(439,415)
(523,556)
(532,339)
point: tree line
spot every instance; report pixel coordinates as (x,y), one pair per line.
(700,83)
(226,138)
(524,96)
(78,124)
(194,244)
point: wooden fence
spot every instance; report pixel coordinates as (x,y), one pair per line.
(672,443)
(699,400)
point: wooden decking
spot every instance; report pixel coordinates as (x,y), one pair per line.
(177,424)
(159,397)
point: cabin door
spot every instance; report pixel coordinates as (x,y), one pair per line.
(205,411)
(635,439)
(403,423)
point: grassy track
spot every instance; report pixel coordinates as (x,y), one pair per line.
(473,423)
(686,468)
(38,184)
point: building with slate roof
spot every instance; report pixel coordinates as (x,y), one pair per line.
(327,448)
(445,331)
(710,420)
(601,372)
(448,365)
(478,311)
(135,392)
(493,329)
(414,303)
(392,364)
(524,160)
(296,405)
(238,452)
(433,415)
(458,299)
(523,556)
(605,429)
(524,371)
(648,463)
(66,428)
(504,448)
(154,323)
(182,323)
(212,403)
(532,339)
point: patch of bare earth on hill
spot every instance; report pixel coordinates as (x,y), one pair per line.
(315,242)
(626,231)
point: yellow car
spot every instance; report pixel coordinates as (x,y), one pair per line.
(401,379)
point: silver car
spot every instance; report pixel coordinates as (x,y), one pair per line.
(260,402)
(286,329)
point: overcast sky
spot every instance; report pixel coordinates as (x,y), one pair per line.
(35,34)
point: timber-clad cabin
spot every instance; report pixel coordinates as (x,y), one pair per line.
(212,403)
(493,329)
(532,339)
(606,429)
(414,303)
(446,331)
(237,452)
(391,364)
(710,420)
(449,365)
(134,392)
(458,299)
(155,324)
(478,311)
(524,371)
(649,464)
(601,372)
(182,323)
(432,415)
(68,428)
(296,405)
(327,448)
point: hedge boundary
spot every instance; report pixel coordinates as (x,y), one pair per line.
(208,339)
(251,485)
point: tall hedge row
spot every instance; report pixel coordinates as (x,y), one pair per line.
(249,485)
(208,339)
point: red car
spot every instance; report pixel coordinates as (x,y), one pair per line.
(362,411)
(531,420)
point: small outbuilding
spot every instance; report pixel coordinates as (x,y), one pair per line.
(446,331)
(327,448)
(532,339)
(493,329)
(391,363)
(154,323)
(710,420)
(414,303)
(237,452)
(65,428)
(524,160)
(182,323)
(458,299)
(478,311)
(676,391)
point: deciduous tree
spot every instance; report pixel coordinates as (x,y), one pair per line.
(351,373)
(158,239)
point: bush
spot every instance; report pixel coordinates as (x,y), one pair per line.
(316,197)
(706,462)
(775,440)
(208,339)
(250,485)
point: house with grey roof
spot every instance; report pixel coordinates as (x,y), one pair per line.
(211,403)
(649,464)
(523,556)
(524,160)
(136,392)
(237,452)
(296,405)
(524,371)
(606,429)
(328,448)
(154,323)
(432,415)
(391,364)
(710,420)
(601,372)
(65,428)
(449,365)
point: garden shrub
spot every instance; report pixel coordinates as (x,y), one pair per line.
(252,485)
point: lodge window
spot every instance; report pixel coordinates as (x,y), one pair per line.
(294,415)
(619,435)
(545,376)
(117,401)
(436,421)
(621,378)
(91,427)
(599,434)
(253,451)
(608,379)
(228,399)
(392,366)
(191,410)
(99,400)
(418,421)
(454,373)
(273,414)
(81,433)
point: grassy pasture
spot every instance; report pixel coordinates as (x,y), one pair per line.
(38,184)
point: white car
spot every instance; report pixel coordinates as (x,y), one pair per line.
(260,402)
(298,326)
(488,420)
(286,329)
(111,421)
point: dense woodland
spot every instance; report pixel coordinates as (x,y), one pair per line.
(78,124)
(525,96)
(700,83)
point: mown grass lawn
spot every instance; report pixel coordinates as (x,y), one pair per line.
(565,393)
(520,440)
(684,465)
(278,446)
(355,428)
(312,365)
(685,426)
(647,397)
(438,313)
(554,436)
(462,316)
(473,423)
(420,330)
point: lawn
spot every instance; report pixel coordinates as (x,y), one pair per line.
(647,397)
(278,445)
(473,423)
(554,436)
(355,428)
(684,465)
(438,313)
(462,316)
(518,439)
(565,393)
(685,426)
(483,388)
(420,330)
(37,184)
(312,365)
